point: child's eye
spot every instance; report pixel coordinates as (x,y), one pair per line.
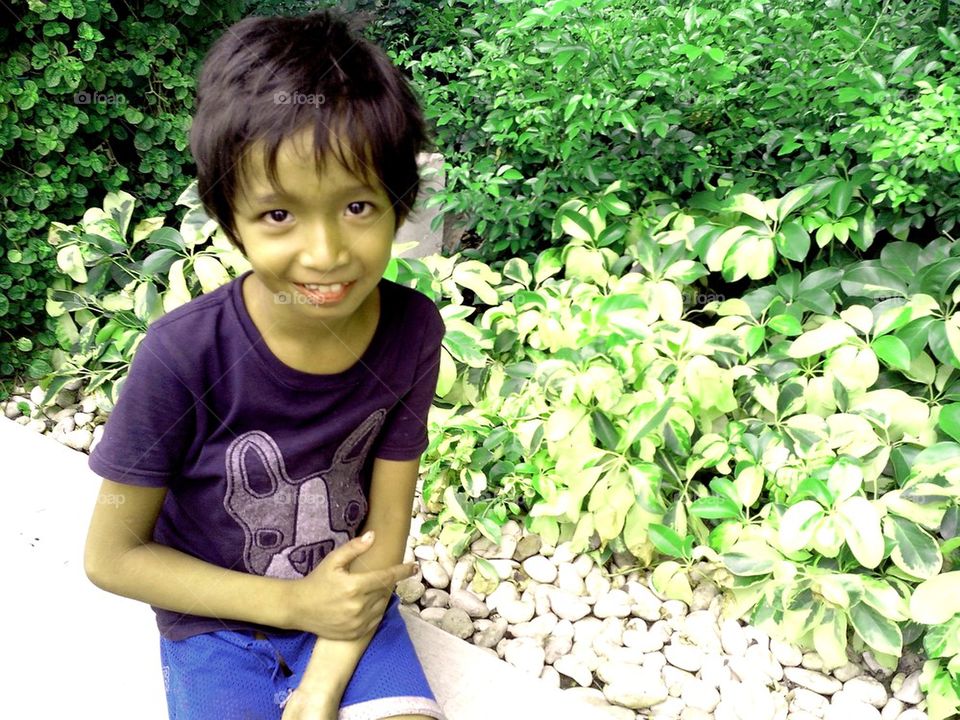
(358,207)
(277,216)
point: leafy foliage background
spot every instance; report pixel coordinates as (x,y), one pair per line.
(711,317)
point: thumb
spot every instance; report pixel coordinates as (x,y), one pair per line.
(348,552)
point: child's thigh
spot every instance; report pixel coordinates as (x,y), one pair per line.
(221,675)
(388,681)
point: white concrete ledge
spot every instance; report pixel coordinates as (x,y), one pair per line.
(76,651)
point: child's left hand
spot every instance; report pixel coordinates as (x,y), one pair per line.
(305,703)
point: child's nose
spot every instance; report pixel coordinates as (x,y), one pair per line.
(324,248)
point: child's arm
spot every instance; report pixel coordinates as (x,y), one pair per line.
(333,662)
(121,557)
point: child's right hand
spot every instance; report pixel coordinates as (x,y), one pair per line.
(338,603)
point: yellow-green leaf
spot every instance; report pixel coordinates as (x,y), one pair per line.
(830,639)
(670,580)
(826,337)
(70,261)
(448,373)
(749,204)
(914,550)
(210,272)
(936,600)
(862,530)
(798,525)
(875,630)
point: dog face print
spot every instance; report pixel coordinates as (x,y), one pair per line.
(290,524)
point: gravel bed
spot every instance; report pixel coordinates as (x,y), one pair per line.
(600,633)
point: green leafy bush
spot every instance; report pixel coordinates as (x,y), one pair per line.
(93,94)
(803,438)
(116,281)
(539,101)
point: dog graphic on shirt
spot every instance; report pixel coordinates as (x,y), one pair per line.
(289,525)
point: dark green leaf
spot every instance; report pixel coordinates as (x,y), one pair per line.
(893,351)
(872,281)
(715,508)
(605,430)
(723,487)
(949,420)
(666,540)
(785,325)
(793,241)
(840,198)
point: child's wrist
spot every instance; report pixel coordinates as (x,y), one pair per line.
(321,681)
(290,609)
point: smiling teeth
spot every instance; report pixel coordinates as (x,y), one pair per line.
(335,288)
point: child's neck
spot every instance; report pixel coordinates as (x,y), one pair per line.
(318,347)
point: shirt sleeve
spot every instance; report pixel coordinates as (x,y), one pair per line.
(404,436)
(148,432)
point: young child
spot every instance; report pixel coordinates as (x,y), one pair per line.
(265,426)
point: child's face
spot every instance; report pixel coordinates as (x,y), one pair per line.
(328,230)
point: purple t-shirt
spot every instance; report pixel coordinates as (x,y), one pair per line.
(268,468)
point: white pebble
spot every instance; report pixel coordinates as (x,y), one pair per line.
(676,679)
(516,611)
(503,592)
(808,701)
(540,569)
(568,579)
(913,714)
(583,564)
(700,696)
(636,696)
(785,653)
(910,692)
(733,639)
(847,672)
(812,680)
(866,689)
(473,605)
(685,657)
(573,668)
(435,574)
(892,710)
(851,710)
(587,629)
(613,604)
(646,605)
(525,654)
(567,606)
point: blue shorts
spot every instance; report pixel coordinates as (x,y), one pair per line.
(235,675)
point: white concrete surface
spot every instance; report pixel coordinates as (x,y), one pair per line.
(417,226)
(74,651)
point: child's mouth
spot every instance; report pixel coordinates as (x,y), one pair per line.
(324,294)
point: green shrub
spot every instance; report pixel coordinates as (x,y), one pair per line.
(115,280)
(93,94)
(543,100)
(803,439)
(800,443)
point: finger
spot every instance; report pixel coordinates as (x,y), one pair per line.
(342,556)
(376,581)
